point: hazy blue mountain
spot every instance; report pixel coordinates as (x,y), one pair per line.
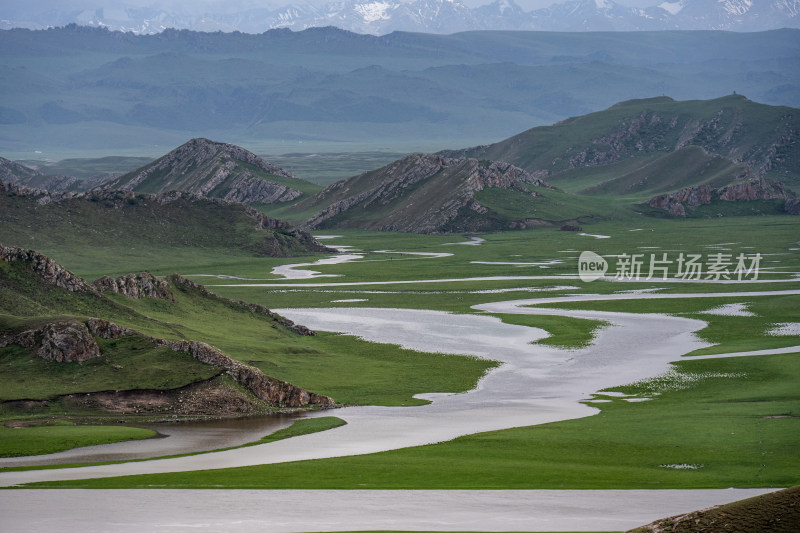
(81,88)
(380,17)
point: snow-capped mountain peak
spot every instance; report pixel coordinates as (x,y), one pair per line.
(736,7)
(379,17)
(374,11)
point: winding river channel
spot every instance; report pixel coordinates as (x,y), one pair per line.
(534,384)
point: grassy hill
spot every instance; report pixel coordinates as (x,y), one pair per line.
(114,231)
(728,156)
(67,347)
(750,136)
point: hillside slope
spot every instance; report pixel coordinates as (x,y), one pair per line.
(215,170)
(67,346)
(420,193)
(100,220)
(754,140)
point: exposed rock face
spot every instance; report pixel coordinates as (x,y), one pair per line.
(73,341)
(753,189)
(48,269)
(429,191)
(62,342)
(756,189)
(675,203)
(67,342)
(271,390)
(212,170)
(141,285)
(106,330)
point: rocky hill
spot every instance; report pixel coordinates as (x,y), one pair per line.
(762,140)
(214,170)
(420,193)
(99,218)
(45,309)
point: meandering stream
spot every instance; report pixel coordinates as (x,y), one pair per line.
(534,384)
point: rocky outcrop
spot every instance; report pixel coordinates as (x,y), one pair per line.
(67,342)
(212,170)
(49,270)
(273,391)
(107,330)
(676,202)
(421,193)
(73,341)
(755,189)
(749,190)
(61,342)
(141,285)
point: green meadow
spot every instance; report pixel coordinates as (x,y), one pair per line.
(706,424)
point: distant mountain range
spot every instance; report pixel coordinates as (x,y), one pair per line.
(281,91)
(380,17)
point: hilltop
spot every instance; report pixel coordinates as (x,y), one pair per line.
(214,170)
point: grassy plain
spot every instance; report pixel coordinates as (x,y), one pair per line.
(714,424)
(710,423)
(20,441)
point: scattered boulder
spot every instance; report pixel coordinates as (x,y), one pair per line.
(571,227)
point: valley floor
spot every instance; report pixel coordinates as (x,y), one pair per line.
(534,384)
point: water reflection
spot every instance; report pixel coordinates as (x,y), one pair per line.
(172,439)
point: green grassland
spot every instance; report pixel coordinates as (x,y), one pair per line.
(734,421)
(736,417)
(38,440)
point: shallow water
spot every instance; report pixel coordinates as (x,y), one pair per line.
(173,438)
(535,384)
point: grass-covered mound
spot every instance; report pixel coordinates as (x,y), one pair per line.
(776,512)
